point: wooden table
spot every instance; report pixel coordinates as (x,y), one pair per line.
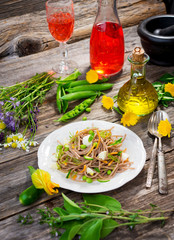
(26,48)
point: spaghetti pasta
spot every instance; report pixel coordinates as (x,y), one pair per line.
(100,159)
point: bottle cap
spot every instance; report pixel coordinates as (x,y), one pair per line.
(138,54)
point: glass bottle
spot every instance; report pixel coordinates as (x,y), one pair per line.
(107,40)
(138,95)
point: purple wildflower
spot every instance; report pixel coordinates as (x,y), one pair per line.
(1,103)
(10,122)
(14,102)
(17,104)
(9,114)
(12,98)
(2,116)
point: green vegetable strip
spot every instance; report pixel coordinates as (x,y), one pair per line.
(58,96)
(72,76)
(92,87)
(64,102)
(77,110)
(67,176)
(78,95)
(78,83)
(116,142)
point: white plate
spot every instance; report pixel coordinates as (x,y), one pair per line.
(133,143)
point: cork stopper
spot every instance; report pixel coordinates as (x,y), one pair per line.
(138,54)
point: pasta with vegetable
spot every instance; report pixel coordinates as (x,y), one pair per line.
(93,154)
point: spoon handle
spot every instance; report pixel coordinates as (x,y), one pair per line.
(162,175)
(151,165)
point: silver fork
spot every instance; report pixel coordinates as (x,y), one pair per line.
(162,175)
(153,129)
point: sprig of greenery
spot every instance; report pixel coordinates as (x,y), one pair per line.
(25,220)
(164,98)
(95,218)
(19,103)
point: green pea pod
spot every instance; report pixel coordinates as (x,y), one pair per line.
(78,83)
(77,110)
(72,76)
(78,95)
(92,87)
(64,102)
(58,100)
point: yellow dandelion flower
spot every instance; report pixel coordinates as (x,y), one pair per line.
(129,118)
(9,139)
(23,147)
(21,139)
(15,138)
(92,76)
(14,145)
(107,102)
(164,128)
(42,180)
(169,87)
(2,125)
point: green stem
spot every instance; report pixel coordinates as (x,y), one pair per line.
(31,101)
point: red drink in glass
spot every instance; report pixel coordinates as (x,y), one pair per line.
(107,48)
(61,26)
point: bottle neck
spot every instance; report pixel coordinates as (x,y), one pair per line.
(138,71)
(111,3)
(107,12)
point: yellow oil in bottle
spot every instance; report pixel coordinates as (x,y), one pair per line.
(138,95)
(140,98)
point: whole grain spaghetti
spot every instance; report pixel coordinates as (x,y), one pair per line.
(93,154)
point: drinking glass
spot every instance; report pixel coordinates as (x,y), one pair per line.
(60,18)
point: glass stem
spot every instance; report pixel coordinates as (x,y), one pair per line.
(64,52)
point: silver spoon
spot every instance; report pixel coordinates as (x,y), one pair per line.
(153,129)
(154,152)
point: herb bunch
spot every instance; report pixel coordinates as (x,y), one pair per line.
(164,97)
(95,218)
(19,104)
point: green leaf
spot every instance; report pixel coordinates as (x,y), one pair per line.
(60,211)
(108,226)
(69,224)
(103,201)
(70,206)
(69,234)
(31,169)
(93,230)
(157,84)
(72,76)
(86,226)
(164,103)
(168,97)
(167,77)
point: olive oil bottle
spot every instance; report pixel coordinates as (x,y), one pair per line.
(138,95)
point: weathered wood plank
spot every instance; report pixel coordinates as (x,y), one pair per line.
(28,34)
(20,69)
(25,67)
(133,195)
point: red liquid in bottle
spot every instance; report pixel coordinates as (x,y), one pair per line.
(107,48)
(61,26)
